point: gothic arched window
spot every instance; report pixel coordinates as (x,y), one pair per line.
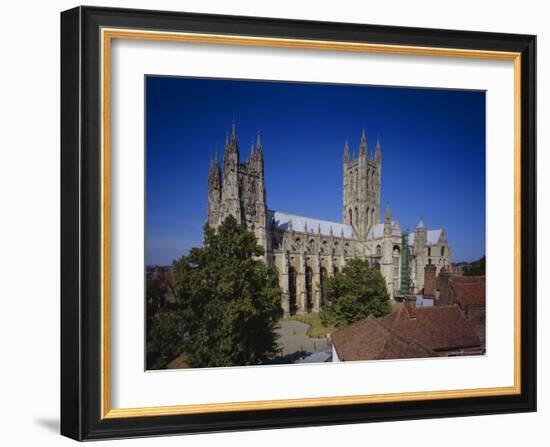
(429,251)
(309,288)
(442,250)
(368,216)
(292,290)
(335,270)
(378,250)
(350,217)
(323,276)
(372,216)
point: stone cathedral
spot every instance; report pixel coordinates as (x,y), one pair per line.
(305,250)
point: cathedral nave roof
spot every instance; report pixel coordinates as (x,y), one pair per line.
(283,221)
(432,237)
(377,232)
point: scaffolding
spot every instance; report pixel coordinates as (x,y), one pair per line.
(405,272)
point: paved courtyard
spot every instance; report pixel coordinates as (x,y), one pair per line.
(293,338)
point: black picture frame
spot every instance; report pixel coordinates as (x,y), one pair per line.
(81,217)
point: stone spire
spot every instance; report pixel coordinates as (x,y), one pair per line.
(346,152)
(215,166)
(421,223)
(231,144)
(378,151)
(259,153)
(363,145)
(258,143)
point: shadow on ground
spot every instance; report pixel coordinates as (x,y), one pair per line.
(49,424)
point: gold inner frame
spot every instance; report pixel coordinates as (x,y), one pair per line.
(107,35)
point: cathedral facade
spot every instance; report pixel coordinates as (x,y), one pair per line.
(305,250)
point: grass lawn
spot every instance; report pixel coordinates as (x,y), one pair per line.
(316,328)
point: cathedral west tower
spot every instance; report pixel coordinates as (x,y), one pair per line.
(240,192)
(362,180)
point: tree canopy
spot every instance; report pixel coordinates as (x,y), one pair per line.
(476,268)
(228,300)
(353,294)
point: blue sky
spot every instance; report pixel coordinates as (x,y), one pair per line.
(433,153)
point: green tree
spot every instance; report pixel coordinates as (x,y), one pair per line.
(355,293)
(476,268)
(156,295)
(228,300)
(165,337)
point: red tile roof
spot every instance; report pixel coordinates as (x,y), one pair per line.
(455,279)
(370,339)
(440,328)
(469,293)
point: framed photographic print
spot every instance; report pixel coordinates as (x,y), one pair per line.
(275,223)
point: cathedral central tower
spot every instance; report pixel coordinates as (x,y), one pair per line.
(362,185)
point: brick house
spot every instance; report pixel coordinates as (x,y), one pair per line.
(468,292)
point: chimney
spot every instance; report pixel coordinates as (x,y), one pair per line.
(410,306)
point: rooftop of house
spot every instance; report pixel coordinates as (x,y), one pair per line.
(470,293)
(440,328)
(370,339)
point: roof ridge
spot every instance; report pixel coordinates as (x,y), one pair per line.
(308,217)
(402,337)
